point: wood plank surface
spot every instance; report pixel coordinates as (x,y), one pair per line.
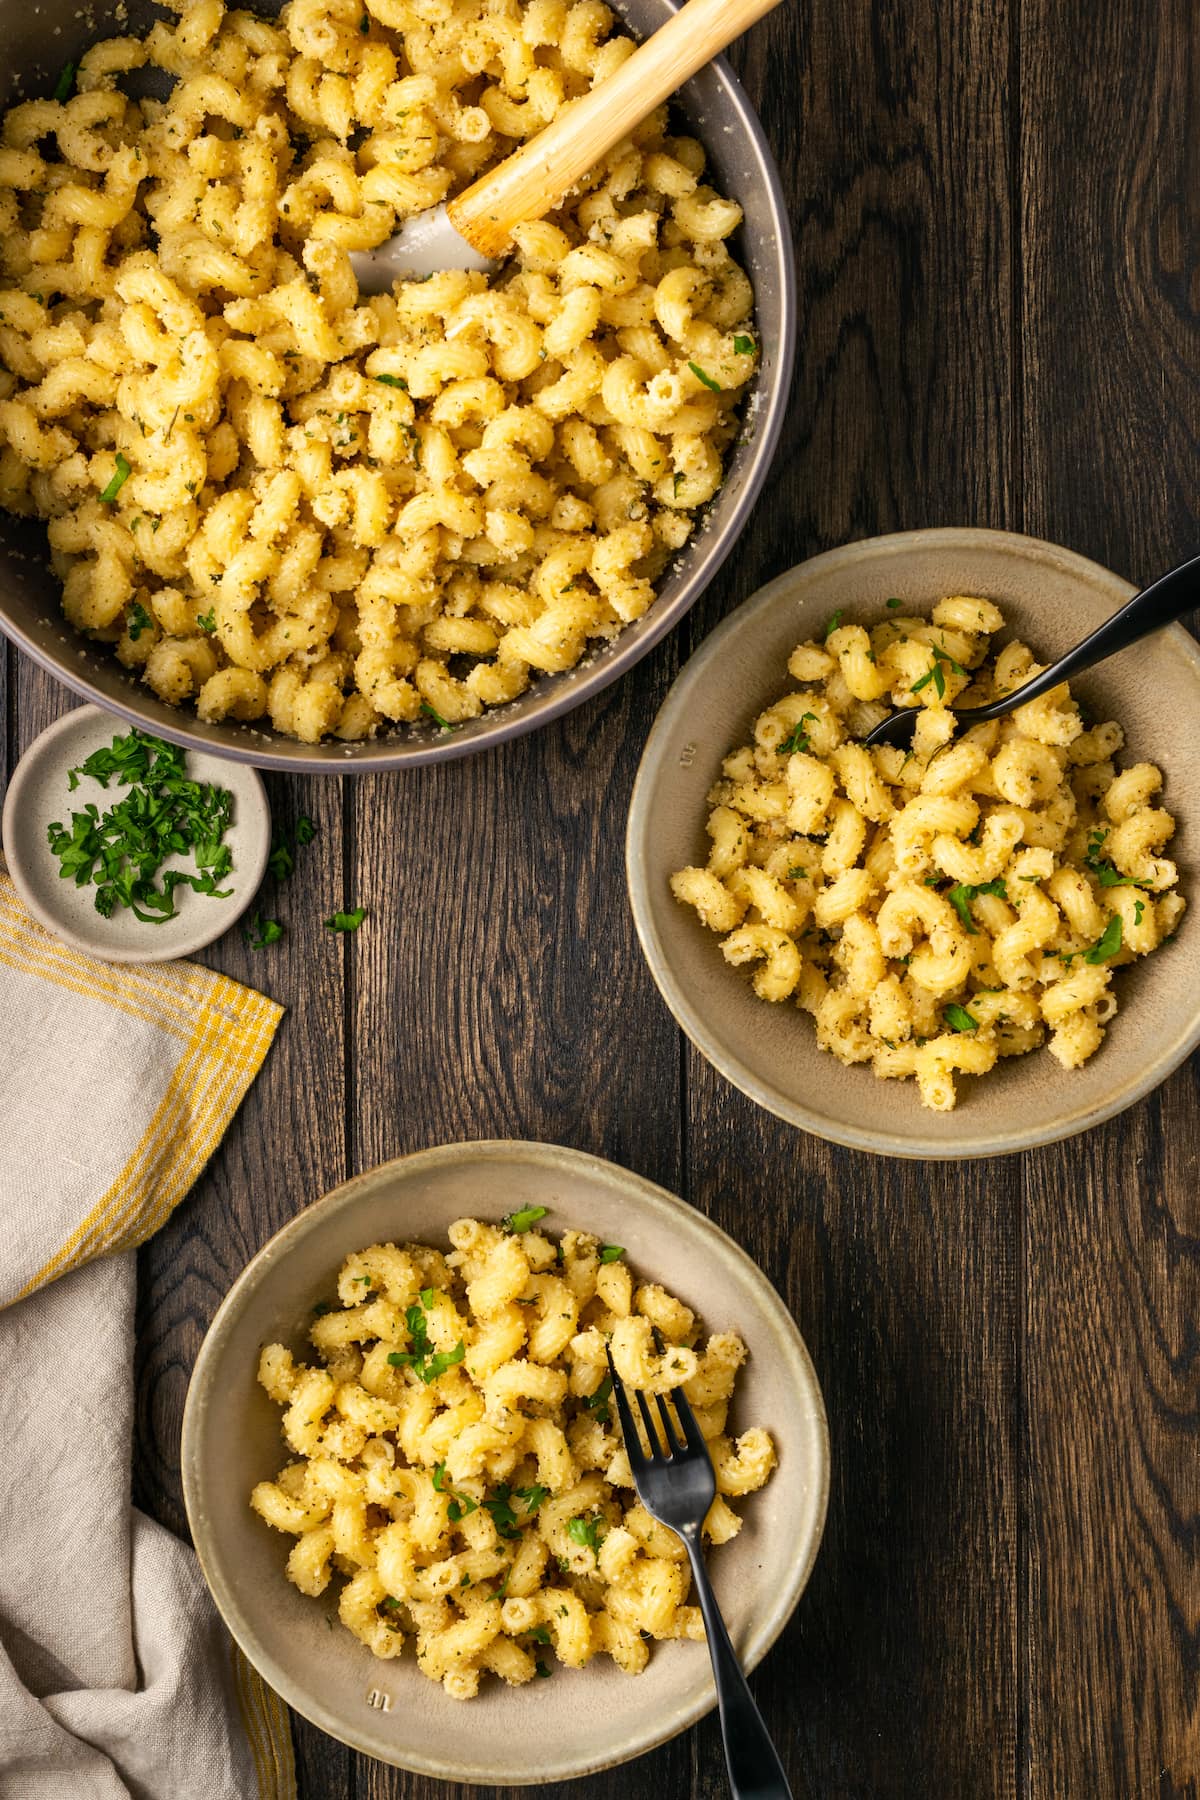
(903,1277)
(995,213)
(1111,1243)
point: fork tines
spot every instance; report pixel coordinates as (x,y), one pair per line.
(678,1436)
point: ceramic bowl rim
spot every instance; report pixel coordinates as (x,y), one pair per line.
(225,915)
(639,1191)
(500,726)
(689,1017)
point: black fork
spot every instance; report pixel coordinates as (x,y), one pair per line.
(677,1485)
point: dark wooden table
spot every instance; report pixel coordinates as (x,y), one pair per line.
(995,206)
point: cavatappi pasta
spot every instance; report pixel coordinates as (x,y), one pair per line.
(937,909)
(458,1465)
(275,497)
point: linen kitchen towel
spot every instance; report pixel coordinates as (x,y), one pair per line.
(116,1676)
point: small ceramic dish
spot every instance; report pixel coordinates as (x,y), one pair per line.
(579,1721)
(39,794)
(1051,598)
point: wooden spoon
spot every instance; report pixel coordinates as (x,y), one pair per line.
(474,230)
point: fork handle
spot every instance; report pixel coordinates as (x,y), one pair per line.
(755,1771)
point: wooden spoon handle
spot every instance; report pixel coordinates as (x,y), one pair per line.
(534,178)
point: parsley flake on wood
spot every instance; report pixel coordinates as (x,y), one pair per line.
(281,862)
(260,932)
(346,921)
(164,814)
(306,831)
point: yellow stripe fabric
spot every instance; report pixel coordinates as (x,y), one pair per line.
(221,1032)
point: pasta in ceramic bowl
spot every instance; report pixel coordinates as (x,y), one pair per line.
(407,1487)
(372,525)
(1006,903)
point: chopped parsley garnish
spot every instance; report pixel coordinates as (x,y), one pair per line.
(423,1359)
(260,932)
(960,898)
(1106,947)
(678,480)
(539,1633)
(796,873)
(959,1019)
(139,620)
(533,1497)
(586,1533)
(346,921)
(611,1252)
(396,381)
(1139,907)
(65,82)
(164,814)
(833,624)
(1105,871)
(207,621)
(797,738)
(503,1516)
(436,716)
(708,381)
(460,1506)
(743,346)
(306,831)
(517,1222)
(938,679)
(597,1403)
(109,494)
(281,862)
(893,604)
(541,1670)
(321,1308)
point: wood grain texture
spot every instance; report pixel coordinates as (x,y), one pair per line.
(1111,1402)
(904,1279)
(995,212)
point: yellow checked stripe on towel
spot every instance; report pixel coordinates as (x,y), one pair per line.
(171,1048)
(116,1086)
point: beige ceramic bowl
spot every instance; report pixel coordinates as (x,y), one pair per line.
(1050,597)
(576,1722)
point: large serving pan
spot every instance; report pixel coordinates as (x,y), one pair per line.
(38,40)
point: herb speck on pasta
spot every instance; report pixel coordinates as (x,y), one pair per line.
(938,909)
(452,1468)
